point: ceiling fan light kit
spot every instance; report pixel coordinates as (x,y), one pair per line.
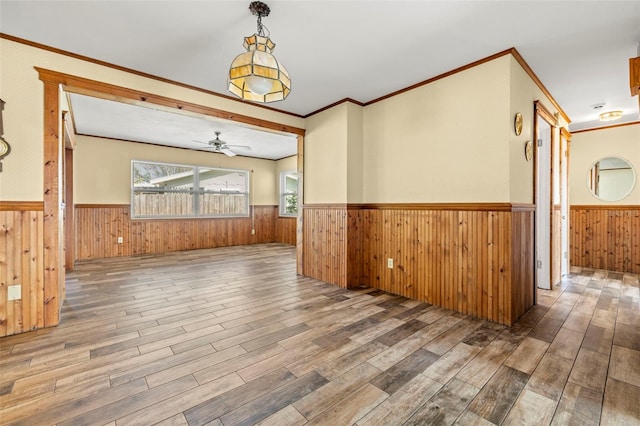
(256,75)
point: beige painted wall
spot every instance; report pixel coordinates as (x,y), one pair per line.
(103,169)
(289,163)
(325,156)
(588,147)
(20,180)
(283,165)
(448,141)
(523,93)
(442,142)
(20,88)
(355,152)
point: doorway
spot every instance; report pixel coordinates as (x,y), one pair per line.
(565,141)
(196,116)
(542,195)
(550,190)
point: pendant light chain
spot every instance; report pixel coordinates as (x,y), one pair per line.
(260,9)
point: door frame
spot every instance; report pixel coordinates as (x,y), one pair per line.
(541,112)
(67,194)
(565,150)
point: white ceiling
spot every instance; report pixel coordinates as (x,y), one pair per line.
(344,49)
(116,120)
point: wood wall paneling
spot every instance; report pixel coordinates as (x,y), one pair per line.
(99,226)
(355,248)
(605,237)
(556,245)
(285,231)
(21,261)
(522,260)
(478,262)
(325,244)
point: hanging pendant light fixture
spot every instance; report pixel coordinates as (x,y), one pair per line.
(256,75)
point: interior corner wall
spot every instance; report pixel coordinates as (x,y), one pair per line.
(325,195)
(355,195)
(355,152)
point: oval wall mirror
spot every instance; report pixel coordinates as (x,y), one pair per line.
(611,178)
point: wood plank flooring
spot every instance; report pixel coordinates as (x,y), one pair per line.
(232,336)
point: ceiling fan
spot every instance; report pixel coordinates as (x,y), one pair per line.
(218,145)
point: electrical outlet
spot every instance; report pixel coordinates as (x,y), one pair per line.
(390,263)
(15,292)
(120,240)
(253,232)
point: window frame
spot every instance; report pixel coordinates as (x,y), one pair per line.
(197,194)
(283,193)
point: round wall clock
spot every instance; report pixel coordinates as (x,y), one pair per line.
(4,148)
(528,150)
(517,124)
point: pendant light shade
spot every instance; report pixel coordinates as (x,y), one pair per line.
(256,75)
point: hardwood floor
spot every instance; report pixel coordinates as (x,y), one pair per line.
(232,336)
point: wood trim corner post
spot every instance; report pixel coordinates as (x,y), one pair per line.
(52,249)
(300,217)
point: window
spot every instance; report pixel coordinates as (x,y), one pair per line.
(176,190)
(288,193)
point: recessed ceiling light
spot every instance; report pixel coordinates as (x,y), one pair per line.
(610,116)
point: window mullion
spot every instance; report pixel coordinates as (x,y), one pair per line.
(196,191)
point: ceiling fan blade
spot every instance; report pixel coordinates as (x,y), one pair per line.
(226,151)
(247,147)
